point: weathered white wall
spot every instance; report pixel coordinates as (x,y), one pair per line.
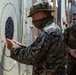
(27,31)
(10,8)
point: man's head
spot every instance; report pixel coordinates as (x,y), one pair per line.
(74,18)
(41,14)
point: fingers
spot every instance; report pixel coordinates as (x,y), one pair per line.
(8,40)
(17,42)
(13,41)
(73,53)
(9,43)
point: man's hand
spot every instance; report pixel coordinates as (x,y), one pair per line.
(73,53)
(10,43)
(16,42)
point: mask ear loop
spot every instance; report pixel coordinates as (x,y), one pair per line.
(53,19)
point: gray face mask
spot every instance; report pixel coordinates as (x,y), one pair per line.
(41,23)
(74,22)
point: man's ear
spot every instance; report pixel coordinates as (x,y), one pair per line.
(43,14)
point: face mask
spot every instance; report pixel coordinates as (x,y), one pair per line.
(41,23)
(74,21)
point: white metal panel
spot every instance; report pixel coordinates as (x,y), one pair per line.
(27,31)
(9,8)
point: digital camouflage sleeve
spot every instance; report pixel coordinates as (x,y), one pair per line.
(70,39)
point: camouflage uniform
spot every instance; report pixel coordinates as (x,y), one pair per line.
(48,53)
(70,39)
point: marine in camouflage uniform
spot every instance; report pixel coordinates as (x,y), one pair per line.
(70,39)
(48,53)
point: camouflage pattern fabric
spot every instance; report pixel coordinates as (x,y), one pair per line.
(70,39)
(38,6)
(47,54)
